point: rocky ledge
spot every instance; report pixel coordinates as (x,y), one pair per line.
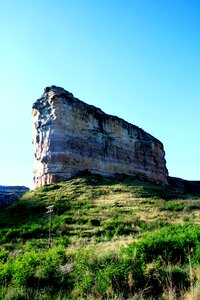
(71,137)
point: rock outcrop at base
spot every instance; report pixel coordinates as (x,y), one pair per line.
(72,137)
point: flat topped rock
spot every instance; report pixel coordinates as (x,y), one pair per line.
(72,137)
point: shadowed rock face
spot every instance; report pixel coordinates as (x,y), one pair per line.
(72,137)
(188,186)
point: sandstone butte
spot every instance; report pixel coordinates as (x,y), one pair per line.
(71,137)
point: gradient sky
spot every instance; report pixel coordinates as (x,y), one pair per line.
(137,59)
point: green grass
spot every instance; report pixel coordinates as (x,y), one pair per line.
(111,239)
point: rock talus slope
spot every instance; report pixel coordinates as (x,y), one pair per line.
(72,137)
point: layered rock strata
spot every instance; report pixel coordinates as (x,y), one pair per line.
(72,137)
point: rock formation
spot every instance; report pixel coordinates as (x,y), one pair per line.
(187,186)
(9,194)
(71,137)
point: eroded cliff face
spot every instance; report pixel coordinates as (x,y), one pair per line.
(71,137)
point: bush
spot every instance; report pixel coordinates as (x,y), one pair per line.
(3,255)
(197,254)
(24,269)
(169,244)
(5,273)
(49,187)
(50,263)
(100,275)
(175,276)
(34,269)
(172,206)
(116,227)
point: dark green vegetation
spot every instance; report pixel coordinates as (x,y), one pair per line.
(111,239)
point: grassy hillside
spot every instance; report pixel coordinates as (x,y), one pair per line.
(111,239)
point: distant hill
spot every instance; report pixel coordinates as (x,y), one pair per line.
(9,194)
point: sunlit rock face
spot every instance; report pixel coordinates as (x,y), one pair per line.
(71,137)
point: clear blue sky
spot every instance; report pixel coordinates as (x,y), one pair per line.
(137,59)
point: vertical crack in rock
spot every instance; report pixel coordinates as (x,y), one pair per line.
(72,137)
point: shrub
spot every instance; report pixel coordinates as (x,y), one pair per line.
(11,234)
(34,269)
(3,255)
(5,273)
(48,272)
(172,206)
(101,274)
(176,277)
(197,254)
(24,269)
(117,227)
(169,244)
(31,230)
(50,187)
